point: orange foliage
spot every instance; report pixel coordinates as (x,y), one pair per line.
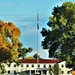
(9,44)
(1,42)
(16,32)
(10,26)
(15,40)
(73,72)
(11,47)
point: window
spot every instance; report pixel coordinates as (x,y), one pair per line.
(44,66)
(14,65)
(27,65)
(32,72)
(68,72)
(14,71)
(9,65)
(44,72)
(27,72)
(38,65)
(49,65)
(62,65)
(62,72)
(32,65)
(8,72)
(22,65)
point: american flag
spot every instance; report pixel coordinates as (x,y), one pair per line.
(37,20)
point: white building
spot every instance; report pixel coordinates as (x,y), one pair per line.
(31,67)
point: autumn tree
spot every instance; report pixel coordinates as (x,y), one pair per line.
(10,46)
(9,39)
(59,39)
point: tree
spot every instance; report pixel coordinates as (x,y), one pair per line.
(55,69)
(29,57)
(59,39)
(10,45)
(23,51)
(2,69)
(9,39)
(36,56)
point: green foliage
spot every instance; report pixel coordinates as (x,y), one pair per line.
(2,68)
(36,56)
(60,40)
(23,51)
(55,69)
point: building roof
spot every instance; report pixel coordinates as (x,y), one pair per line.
(40,61)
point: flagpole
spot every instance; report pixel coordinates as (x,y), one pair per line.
(37,37)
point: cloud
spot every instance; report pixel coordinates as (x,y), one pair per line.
(27,25)
(24,23)
(28,31)
(18,19)
(23,18)
(43,53)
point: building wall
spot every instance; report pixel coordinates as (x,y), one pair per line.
(13,68)
(64,70)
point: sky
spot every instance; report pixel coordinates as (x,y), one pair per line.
(23,13)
